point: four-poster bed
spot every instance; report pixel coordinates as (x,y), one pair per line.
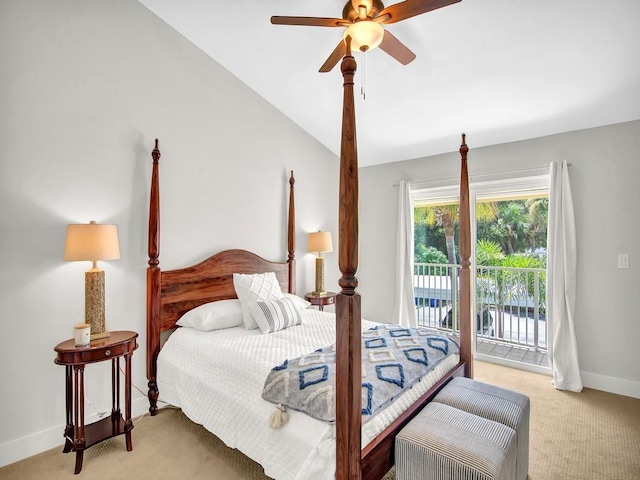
(170,294)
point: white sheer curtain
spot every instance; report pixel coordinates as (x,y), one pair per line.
(405,310)
(561,282)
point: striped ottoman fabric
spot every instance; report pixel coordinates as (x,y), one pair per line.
(493,403)
(444,443)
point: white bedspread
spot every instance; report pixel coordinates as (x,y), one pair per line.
(216,378)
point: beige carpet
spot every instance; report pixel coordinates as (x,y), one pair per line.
(591,435)
(587,436)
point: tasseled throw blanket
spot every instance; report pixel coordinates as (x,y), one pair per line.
(393,359)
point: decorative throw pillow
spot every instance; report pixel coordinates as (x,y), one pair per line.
(252,288)
(299,302)
(274,315)
(213,316)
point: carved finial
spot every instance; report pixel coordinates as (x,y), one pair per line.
(155,154)
(463,147)
(292,180)
(348,65)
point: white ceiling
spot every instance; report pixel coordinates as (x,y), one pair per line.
(499,70)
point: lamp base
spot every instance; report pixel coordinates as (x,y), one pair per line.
(94,302)
(318,294)
(97,336)
(319,276)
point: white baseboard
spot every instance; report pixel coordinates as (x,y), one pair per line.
(605,383)
(619,386)
(24,447)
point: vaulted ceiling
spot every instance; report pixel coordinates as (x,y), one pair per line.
(499,70)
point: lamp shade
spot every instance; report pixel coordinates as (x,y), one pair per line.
(365,35)
(319,242)
(91,242)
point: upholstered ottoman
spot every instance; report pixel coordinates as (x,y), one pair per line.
(494,403)
(444,443)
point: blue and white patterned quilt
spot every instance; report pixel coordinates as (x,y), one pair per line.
(394,358)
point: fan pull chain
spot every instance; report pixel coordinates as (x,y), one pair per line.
(362,76)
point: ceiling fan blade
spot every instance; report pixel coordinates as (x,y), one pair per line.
(382,18)
(310,21)
(396,49)
(334,58)
(411,8)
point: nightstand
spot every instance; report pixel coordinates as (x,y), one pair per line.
(78,436)
(320,300)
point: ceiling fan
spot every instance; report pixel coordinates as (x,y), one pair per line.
(363,20)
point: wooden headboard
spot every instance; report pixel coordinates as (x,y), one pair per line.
(172,293)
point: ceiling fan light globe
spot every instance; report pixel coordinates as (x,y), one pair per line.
(365,35)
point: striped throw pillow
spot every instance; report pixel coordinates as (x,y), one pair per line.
(274,315)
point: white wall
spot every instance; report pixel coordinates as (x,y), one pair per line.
(85,87)
(605,176)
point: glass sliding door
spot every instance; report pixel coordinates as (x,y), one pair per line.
(509,261)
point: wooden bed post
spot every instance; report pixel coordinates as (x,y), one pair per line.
(172,293)
(348,312)
(466,326)
(291,236)
(153,285)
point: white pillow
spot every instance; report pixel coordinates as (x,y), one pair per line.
(274,315)
(252,288)
(299,302)
(213,316)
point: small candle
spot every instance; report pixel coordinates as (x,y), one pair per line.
(82,334)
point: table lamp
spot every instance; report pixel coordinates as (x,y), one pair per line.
(93,242)
(319,242)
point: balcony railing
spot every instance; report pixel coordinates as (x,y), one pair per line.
(509,302)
